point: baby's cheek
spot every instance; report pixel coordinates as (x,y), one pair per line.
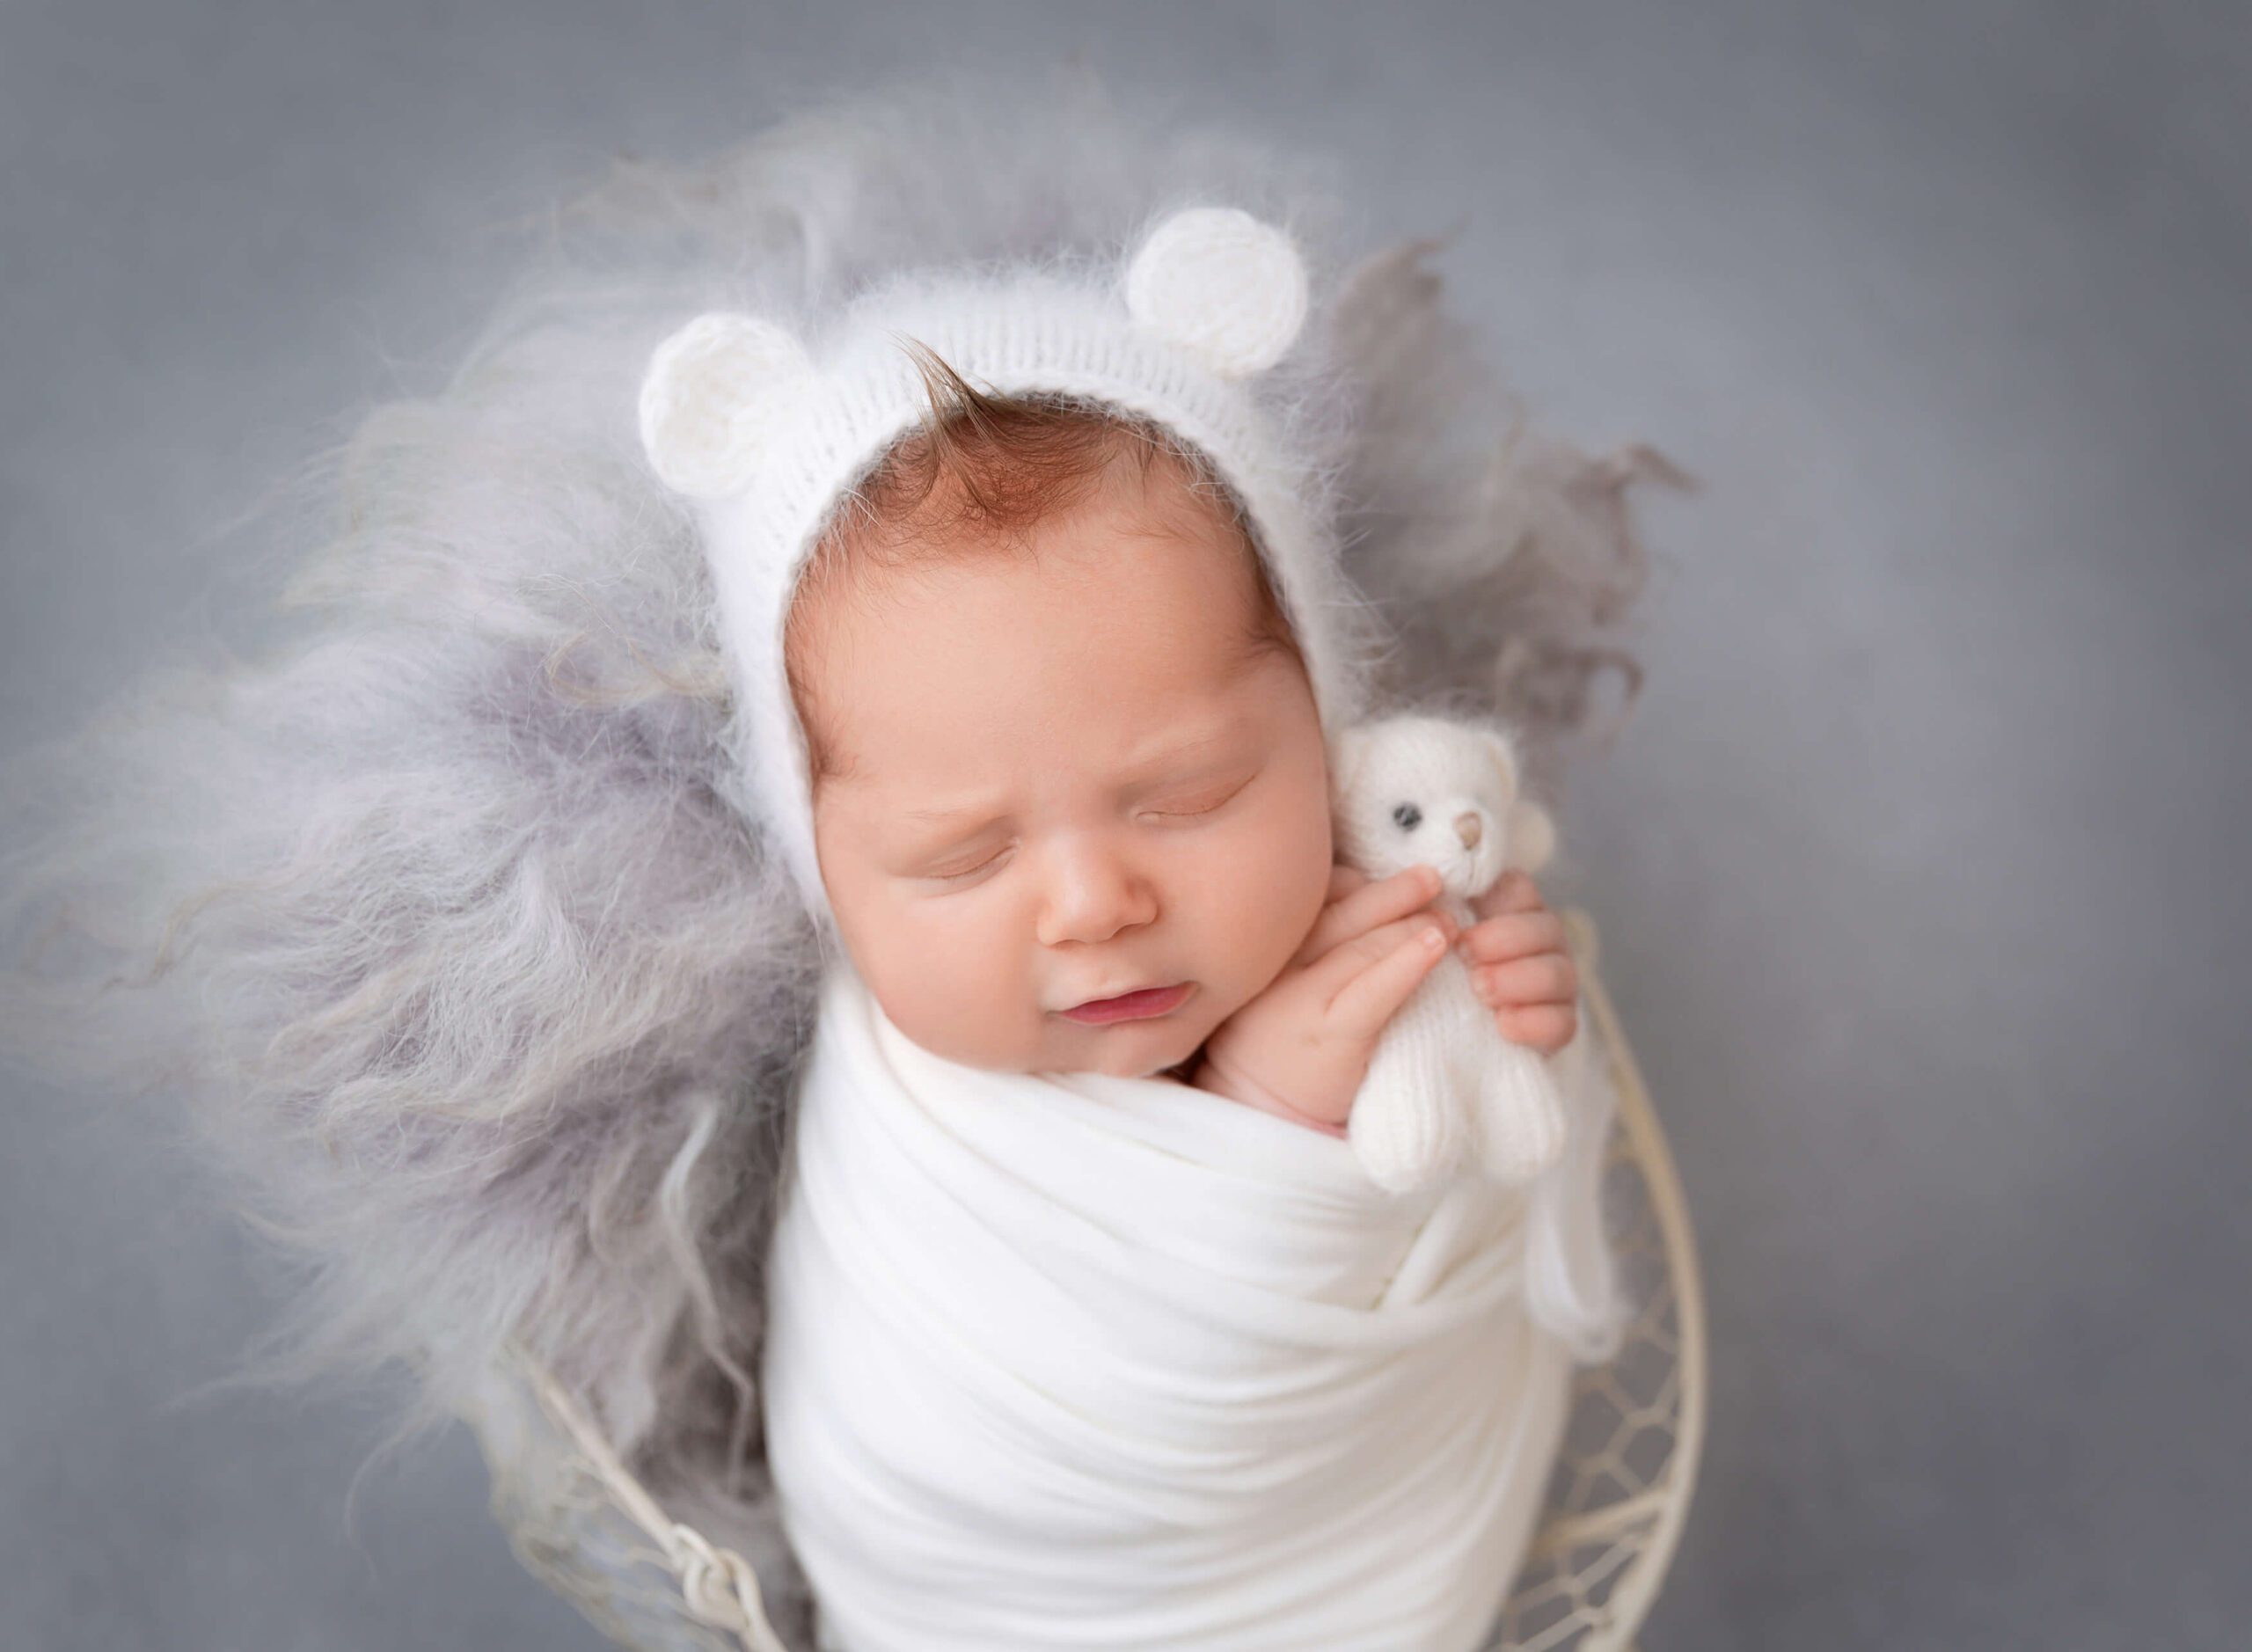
(1266,890)
(942,983)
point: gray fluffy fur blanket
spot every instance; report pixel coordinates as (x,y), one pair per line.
(435,928)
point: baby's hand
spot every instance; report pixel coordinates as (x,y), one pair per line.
(1302,1047)
(1518,965)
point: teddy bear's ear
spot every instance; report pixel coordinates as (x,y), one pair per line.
(1532,836)
(1503,749)
(1531,832)
(1229,288)
(708,395)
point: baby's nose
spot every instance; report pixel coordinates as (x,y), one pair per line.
(1469,827)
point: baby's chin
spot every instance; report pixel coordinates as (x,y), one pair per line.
(1113,1051)
(1116,1061)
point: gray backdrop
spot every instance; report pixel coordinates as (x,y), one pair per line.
(1920,875)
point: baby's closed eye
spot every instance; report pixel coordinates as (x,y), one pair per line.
(1206,799)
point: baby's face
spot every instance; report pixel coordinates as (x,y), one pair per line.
(1069,776)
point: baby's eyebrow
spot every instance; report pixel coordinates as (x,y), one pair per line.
(941,816)
(1196,746)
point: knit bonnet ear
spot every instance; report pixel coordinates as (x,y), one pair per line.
(1225,287)
(709,394)
(1214,281)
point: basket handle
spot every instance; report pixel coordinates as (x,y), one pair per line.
(718,1586)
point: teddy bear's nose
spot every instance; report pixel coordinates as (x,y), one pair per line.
(1470,829)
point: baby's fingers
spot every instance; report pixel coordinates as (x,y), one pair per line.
(1547,977)
(1373,996)
(1514,891)
(1546,1027)
(1368,906)
(1496,940)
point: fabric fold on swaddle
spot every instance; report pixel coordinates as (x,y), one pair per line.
(1073,1361)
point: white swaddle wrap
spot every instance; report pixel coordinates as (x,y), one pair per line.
(1074,1361)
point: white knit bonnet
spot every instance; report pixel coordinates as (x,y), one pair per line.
(767,432)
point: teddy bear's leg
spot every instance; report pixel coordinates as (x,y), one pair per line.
(1520,1114)
(1407,1124)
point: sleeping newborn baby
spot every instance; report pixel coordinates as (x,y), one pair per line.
(1086,1329)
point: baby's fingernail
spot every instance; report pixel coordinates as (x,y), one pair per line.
(1434,939)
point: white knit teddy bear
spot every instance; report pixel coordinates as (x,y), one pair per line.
(1411,790)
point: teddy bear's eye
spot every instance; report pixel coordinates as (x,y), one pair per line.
(1408,817)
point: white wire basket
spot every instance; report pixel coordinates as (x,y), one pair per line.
(1620,1490)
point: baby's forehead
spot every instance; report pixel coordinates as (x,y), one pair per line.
(1148,580)
(884,729)
(921,561)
